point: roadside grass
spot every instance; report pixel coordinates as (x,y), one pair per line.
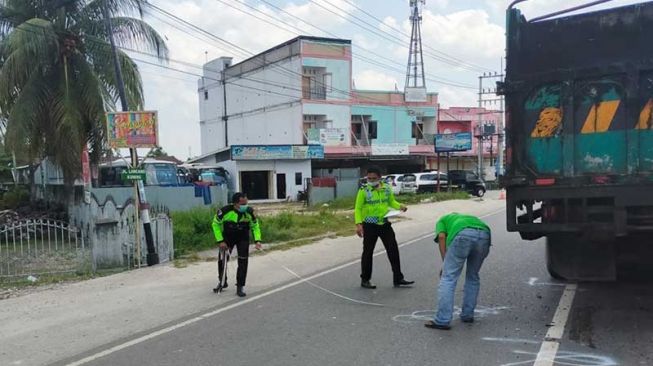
(193,232)
(52,279)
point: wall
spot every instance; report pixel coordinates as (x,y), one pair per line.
(288,167)
(173,198)
(282,126)
(347,188)
(110,230)
(340,115)
(262,105)
(341,76)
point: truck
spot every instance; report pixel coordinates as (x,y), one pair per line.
(579,137)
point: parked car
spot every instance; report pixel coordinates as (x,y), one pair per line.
(428,182)
(468,181)
(401,183)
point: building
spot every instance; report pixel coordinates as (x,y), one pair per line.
(275,118)
(483,125)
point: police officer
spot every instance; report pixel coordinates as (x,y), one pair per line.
(373,202)
(231,227)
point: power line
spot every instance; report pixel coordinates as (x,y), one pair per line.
(284,70)
(363,58)
(353,95)
(435,79)
(459,61)
(392,38)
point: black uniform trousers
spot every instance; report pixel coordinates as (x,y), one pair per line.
(371,232)
(240,240)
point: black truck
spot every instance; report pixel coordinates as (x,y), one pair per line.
(579,137)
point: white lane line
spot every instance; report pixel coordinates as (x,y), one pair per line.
(221,310)
(549,348)
(209,314)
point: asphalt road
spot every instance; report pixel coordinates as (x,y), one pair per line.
(301,324)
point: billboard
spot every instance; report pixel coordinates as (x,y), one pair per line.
(450,142)
(328,136)
(390,149)
(277,152)
(132,129)
(412,94)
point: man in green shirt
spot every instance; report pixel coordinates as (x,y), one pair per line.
(231,227)
(461,238)
(373,203)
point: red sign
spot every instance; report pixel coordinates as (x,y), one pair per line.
(86,166)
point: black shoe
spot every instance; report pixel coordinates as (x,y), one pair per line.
(367,284)
(467,320)
(240,292)
(403,283)
(431,324)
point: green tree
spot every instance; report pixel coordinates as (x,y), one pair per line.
(57,77)
(157,152)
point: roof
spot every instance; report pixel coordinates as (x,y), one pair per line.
(291,41)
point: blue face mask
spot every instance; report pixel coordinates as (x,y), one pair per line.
(243,208)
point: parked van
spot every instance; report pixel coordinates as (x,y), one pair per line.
(157,173)
(428,182)
(401,183)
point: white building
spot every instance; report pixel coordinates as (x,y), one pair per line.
(269,120)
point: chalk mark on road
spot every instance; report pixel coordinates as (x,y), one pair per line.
(567,358)
(533,282)
(426,315)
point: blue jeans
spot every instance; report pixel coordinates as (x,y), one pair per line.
(471,246)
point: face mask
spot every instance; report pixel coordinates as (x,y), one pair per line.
(374,183)
(243,208)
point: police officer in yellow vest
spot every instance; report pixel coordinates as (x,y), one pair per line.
(231,227)
(373,203)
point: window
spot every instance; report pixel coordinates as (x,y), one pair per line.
(298,179)
(328,82)
(357,129)
(418,131)
(206,95)
(372,130)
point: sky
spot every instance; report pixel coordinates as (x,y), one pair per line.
(467,34)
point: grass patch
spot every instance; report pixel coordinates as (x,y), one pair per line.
(51,279)
(193,232)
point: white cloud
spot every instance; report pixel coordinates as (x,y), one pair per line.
(455,97)
(467,34)
(375,80)
(437,5)
(175,99)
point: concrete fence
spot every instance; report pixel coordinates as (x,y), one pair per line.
(344,188)
(111,231)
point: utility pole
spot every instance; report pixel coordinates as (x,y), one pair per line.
(481,135)
(152,256)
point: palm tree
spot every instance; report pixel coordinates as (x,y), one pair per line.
(57,78)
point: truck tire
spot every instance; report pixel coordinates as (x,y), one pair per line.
(479,192)
(574,258)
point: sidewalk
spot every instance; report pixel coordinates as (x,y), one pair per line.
(51,325)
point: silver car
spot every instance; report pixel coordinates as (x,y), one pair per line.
(401,183)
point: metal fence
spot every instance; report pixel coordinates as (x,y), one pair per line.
(40,246)
(162,234)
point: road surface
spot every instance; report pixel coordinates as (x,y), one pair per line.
(523,318)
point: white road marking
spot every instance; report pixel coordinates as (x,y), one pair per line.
(547,354)
(209,314)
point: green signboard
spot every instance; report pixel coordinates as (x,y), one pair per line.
(133,174)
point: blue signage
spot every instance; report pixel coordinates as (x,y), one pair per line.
(277,152)
(451,142)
